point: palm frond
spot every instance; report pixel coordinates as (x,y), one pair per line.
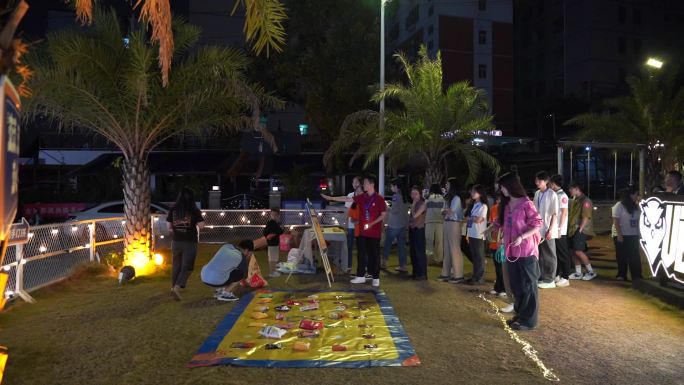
(264,24)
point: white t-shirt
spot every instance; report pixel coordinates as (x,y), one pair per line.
(563,203)
(476,230)
(348,205)
(547,204)
(629,223)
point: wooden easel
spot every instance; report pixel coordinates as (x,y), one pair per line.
(322,245)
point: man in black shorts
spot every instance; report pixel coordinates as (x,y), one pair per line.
(227,268)
(579,227)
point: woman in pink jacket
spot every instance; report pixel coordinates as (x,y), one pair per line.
(520,222)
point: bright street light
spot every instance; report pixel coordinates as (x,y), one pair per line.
(653,62)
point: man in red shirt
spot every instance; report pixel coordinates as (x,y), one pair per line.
(373,211)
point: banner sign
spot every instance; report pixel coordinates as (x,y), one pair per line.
(18,233)
(662,234)
(9,154)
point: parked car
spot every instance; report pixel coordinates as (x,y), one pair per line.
(108,230)
(111,209)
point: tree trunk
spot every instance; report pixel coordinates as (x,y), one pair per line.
(136,188)
(433,174)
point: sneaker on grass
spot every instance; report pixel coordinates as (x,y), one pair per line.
(358,280)
(589,276)
(575,276)
(227,296)
(443,278)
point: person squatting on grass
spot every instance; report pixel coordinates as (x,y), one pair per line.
(272,232)
(397,225)
(520,223)
(183,219)
(476,219)
(373,212)
(452,267)
(546,202)
(227,268)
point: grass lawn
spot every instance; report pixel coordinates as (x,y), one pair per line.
(90,330)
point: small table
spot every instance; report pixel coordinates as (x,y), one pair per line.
(337,245)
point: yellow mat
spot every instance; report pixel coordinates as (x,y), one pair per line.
(351,329)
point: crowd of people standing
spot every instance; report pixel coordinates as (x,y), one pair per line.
(534,243)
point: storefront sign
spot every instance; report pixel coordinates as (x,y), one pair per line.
(662,234)
(9,154)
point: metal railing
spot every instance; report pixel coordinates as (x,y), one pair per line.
(54,250)
(222,226)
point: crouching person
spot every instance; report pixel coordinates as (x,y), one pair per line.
(227,268)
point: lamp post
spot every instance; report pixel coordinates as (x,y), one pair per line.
(553,121)
(381,125)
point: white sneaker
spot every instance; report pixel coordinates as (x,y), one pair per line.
(546,285)
(502,295)
(368,277)
(507,309)
(493,292)
(575,276)
(227,297)
(557,279)
(376,283)
(563,283)
(218,292)
(589,276)
(358,280)
(274,274)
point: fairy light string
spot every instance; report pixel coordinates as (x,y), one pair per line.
(527,348)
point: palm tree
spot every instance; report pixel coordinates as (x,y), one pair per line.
(263,25)
(88,79)
(432,126)
(653,112)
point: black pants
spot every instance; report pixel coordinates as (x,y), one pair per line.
(369,257)
(184,254)
(499,283)
(417,252)
(627,255)
(524,274)
(477,256)
(564,258)
(465,248)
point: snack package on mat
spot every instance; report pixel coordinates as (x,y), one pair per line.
(272,332)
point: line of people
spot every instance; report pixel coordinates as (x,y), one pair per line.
(446,226)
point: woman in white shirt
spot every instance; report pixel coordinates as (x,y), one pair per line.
(452,267)
(476,219)
(626,215)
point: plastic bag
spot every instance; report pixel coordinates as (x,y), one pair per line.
(285,242)
(272,332)
(500,254)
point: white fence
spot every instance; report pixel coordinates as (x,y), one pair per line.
(54,250)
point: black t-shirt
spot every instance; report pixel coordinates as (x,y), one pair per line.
(185,226)
(272,227)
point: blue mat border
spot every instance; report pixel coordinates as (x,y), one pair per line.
(397,332)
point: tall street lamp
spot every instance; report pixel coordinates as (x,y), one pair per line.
(381,160)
